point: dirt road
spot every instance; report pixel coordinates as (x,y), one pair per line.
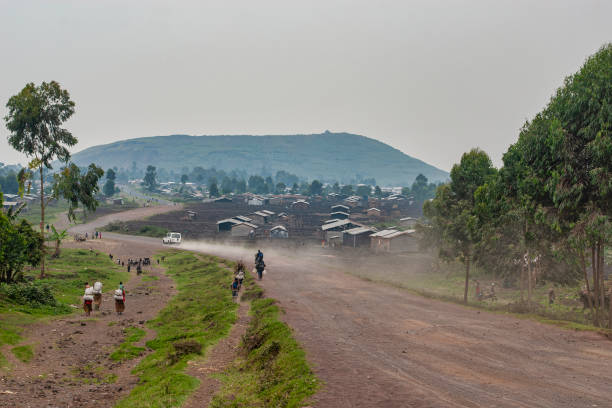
(376,346)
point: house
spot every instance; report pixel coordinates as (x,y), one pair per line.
(244,229)
(227,224)
(271,214)
(341,208)
(339,215)
(7,205)
(408,222)
(279,232)
(118,201)
(256,201)
(394,241)
(357,237)
(373,212)
(260,217)
(335,228)
(300,205)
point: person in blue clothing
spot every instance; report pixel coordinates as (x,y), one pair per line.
(235,288)
(259,256)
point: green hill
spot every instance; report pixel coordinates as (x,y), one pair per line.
(326,156)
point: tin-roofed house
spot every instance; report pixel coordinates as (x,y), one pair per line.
(394,241)
(357,237)
(335,228)
(244,229)
(279,232)
(339,215)
(227,224)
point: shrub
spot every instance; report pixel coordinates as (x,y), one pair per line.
(28,294)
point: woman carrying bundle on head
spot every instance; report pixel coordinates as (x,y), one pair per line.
(88,299)
(120,299)
(97,295)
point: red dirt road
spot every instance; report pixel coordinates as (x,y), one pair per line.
(376,346)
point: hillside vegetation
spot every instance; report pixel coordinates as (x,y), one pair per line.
(339,156)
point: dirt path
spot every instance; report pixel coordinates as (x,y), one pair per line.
(375,346)
(71,364)
(217,359)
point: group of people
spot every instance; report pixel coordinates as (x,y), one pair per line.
(94,235)
(92,299)
(260,265)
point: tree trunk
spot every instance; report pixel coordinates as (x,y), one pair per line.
(529,281)
(600,273)
(467,280)
(522,283)
(586,281)
(595,285)
(42,221)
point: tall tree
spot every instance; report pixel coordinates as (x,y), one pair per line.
(213,189)
(452,213)
(35,118)
(78,189)
(150,178)
(316,188)
(109,186)
(184,178)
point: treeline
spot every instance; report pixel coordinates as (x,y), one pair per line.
(547,211)
(8,179)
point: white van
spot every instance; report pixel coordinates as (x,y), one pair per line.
(172,238)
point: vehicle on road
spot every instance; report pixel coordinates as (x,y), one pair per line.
(172,238)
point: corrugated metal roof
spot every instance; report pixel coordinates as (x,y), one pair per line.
(248,224)
(261,214)
(278,227)
(384,233)
(398,233)
(232,220)
(341,212)
(373,209)
(242,218)
(268,212)
(358,230)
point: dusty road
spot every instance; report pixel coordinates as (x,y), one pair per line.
(377,346)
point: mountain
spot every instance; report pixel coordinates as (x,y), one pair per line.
(326,156)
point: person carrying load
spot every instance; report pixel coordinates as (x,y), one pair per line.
(88,299)
(119,299)
(97,295)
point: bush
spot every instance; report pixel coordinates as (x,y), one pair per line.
(28,294)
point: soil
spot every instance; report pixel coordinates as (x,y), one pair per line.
(372,345)
(217,359)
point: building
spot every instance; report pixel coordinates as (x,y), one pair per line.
(260,217)
(339,215)
(256,201)
(335,228)
(279,232)
(7,205)
(408,222)
(244,229)
(242,218)
(222,199)
(357,237)
(300,205)
(373,212)
(227,224)
(394,241)
(341,208)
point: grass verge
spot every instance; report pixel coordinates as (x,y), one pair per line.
(272,370)
(57,294)
(23,353)
(127,350)
(198,316)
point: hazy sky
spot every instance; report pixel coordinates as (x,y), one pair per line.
(431,78)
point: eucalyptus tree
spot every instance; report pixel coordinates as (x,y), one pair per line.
(35,118)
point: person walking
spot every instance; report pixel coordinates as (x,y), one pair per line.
(97,295)
(88,299)
(119,299)
(260,267)
(235,288)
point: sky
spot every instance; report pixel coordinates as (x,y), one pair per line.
(431,78)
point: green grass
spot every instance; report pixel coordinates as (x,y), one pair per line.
(146,230)
(201,312)
(149,278)
(23,353)
(127,350)
(32,212)
(272,370)
(66,277)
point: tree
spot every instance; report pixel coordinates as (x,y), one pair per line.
(20,245)
(295,188)
(241,186)
(316,188)
(78,188)
(347,189)
(184,178)
(109,186)
(57,237)
(378,192)
(280,187)
(452,212)
(213,190)
(34,120)
(149,180)
(226,185)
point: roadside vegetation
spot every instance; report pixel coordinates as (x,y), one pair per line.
(126,350)
(59,293)
(546,214)
(145,230)
(271,369)
(197,317)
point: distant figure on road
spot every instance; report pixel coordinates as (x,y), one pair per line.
(259,256)
(138,269)
(259,267)
(86,236)
(88,299)
(96,234)
(235,286)
(120,299)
